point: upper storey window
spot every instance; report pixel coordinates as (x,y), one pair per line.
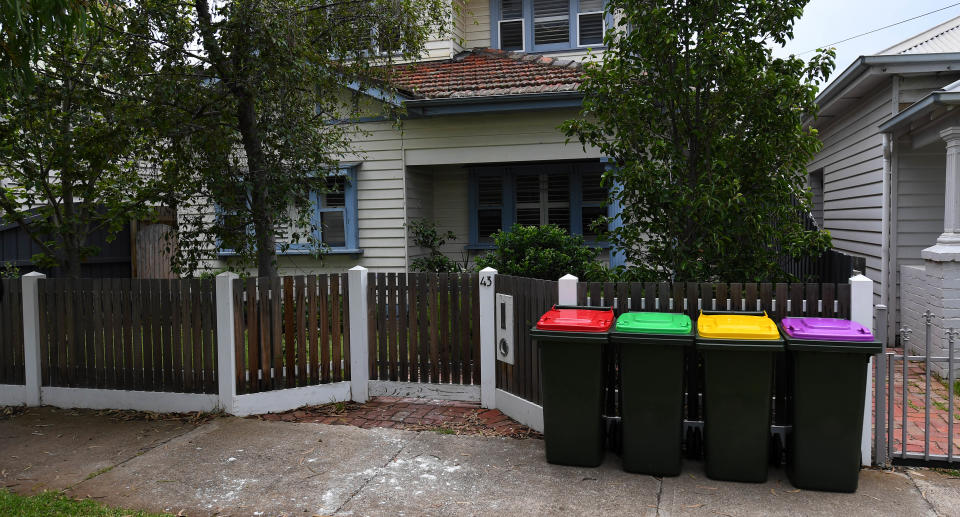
(545,25)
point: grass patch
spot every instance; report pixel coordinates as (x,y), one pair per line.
(912,405)
(55,504)
(939,405)
(444,430)
(950,472)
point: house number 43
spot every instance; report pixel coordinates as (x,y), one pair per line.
(486,280)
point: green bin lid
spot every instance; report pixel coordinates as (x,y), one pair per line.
(654,323)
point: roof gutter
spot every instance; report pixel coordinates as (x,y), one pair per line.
(937,98)
(867,64)
(493,103)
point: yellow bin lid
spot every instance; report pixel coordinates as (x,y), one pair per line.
(737,326)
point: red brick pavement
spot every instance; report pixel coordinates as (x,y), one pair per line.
(446,416)
(916,427)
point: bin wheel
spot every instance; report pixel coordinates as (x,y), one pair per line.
(776,451)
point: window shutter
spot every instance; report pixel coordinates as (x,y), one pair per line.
(489,206)
(551,21)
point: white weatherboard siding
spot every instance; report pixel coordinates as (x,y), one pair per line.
(450,209)
(420,171)
(477,30)
(852,164)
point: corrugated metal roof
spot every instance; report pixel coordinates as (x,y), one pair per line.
(942,38)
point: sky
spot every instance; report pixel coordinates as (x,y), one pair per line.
(828,21)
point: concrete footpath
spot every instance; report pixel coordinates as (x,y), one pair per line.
(230,466)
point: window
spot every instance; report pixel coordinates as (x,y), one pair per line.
(545,25)
(335,219)
(333,223)
(511,25)
(568,195)
(816,187)
(590,23)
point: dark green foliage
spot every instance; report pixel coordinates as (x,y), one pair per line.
(706,127)
(253,102)
(425,235)
(547,252)
(70,146)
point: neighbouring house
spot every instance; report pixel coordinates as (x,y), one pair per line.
(886,180)
(480,147)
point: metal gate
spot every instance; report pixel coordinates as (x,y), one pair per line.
(914,412)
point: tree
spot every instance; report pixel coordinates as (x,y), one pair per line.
(26,25)
(69,147)
(425,235)
(705,127)
(257,99)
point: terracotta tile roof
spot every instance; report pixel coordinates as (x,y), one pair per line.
(487,72)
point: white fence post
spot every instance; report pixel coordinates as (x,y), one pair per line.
(488,338)
(359,340)
(226,342)
(567,290)
(31,336)
(861,311)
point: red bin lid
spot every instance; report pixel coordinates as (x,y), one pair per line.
(577,319)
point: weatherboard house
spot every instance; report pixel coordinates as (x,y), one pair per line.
(479,148)
(886,183)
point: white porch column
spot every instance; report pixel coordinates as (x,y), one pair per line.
(359,338)
(31,336)
(949,241)
(488,338)
(567,290)
(226,342)
(861,311)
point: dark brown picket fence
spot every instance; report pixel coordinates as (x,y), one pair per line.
(292,331)
(424,327)
(11,332)
(149,335)
(531,298)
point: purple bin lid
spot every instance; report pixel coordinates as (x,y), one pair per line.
(826,329)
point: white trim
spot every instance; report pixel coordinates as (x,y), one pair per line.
(32,356)
(521,410)
(359,340)
(13,395)
(487,280)
(861,311)
(226,343)
(155,401)
(464,392)
(567,290)
(603,21)
(523,34)
(284,400)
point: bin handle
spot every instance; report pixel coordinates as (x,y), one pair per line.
(741,313)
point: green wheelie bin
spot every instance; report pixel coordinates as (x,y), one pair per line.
(571,341)
(738,354)
(652,348)
(829,371)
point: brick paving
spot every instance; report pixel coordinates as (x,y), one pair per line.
(939,416)
(444,416)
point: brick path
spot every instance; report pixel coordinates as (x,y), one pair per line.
(916,386)
(445,416)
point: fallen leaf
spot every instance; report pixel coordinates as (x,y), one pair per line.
(794,491)
(707,487)
(694,505)
(772,491)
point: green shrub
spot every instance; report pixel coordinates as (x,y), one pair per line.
(547,252)
(426,235)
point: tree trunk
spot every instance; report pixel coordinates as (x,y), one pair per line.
(264,236)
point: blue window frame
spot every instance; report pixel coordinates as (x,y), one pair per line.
(547,25)
(334,218)
(566,194)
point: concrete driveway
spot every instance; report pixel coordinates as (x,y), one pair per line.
(231,466)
